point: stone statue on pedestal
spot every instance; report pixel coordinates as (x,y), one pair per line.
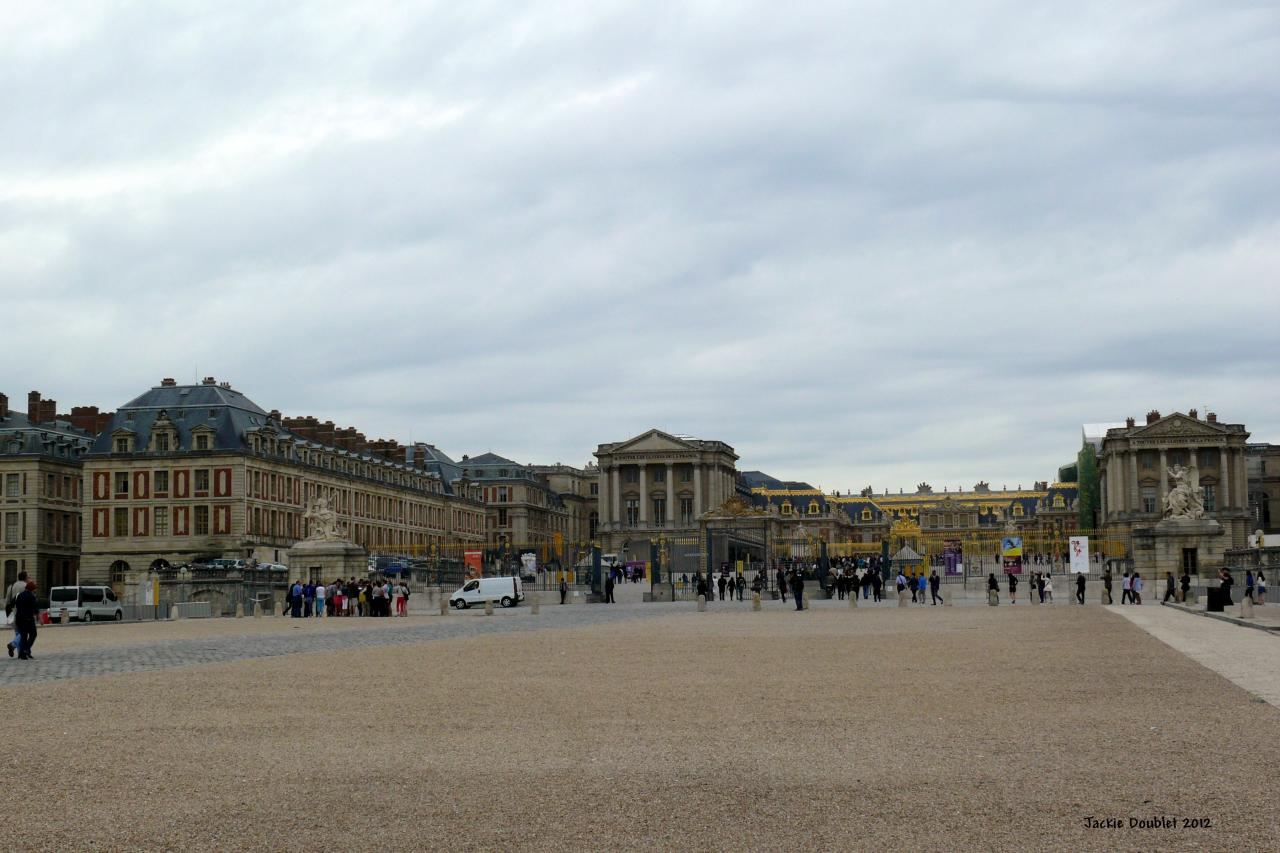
(324,521)
(1183,500)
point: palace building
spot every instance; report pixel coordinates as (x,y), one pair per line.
(656,485)
(1135,461)
(523,511)
(187,472)
(41,454)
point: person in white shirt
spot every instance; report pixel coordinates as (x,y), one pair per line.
(321,592)
(1048,586)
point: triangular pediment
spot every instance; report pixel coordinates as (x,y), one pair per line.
(1178,425)
(653,440)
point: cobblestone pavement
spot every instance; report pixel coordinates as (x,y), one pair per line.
(110,660)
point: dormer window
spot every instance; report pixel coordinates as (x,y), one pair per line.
(786,507)
(202,442)
(162,442)
(122,445)
(1018,510)
(866,515)
(813,507)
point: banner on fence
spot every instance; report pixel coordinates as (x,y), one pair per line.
(1080,555)
(474,561)
(953,556)
(1011,554)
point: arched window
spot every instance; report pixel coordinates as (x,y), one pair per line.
(813,507)
(786,507)
(866,514)
(118,571)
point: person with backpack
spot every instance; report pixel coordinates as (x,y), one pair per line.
(1136,588)
(1013,588)
(403,609)
(1248,585)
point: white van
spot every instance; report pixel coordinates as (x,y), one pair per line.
(506,591)
(84,603)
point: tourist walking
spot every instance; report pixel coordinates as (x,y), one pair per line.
(295,600)
(741,583)
(1248,585)
(934,581)
(608,590)
(782,585)
(733,586)
(993,585)
(1169,588)
(1135,585)
(26,609)
(922,584)
(15,589)
(1126,589)
(1046,587)
(1037,587)
(308,599)
(564,589)
(1185,582)
(1106,584)
(721,583)
(320,599)
(1080,581)
(877,585)
(1262,587)
(797,590)
(1013,588)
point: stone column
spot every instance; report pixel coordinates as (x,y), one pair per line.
(671,495)
(615,478)
(644,497)
(1224,487)
(1164,481)
(1195,470)
(1242,486)
(697,489)
(1134,502)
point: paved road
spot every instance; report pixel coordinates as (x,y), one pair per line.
(108,660)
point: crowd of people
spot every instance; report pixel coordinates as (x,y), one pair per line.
(347,598)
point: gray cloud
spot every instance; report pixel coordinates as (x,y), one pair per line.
(867,244)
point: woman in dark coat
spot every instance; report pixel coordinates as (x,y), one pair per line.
(26,609)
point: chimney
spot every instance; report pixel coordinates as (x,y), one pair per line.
(4,406)
(226,385)
(168,382)
(274,414)
(33,407)
(209,380)
(1194,414)
(1153,416)
(1212,417)
(1128,422)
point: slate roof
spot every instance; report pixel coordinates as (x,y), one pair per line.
(56,439)
(228,413)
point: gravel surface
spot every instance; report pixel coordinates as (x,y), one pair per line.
(934,729)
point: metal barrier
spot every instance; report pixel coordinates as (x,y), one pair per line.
(192,609)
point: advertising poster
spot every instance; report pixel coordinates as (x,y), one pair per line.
(953,556)
(1080,555)
(474,561)
(1011,553)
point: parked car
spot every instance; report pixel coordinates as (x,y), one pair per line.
(506,591)
(84,603)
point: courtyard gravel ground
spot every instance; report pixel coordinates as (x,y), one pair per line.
(931,729)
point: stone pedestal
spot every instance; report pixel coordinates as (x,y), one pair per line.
(1106,597)
(239,610)
(702,604)
(853,601)
(1246,608)
(444,605)
(1179,597)
(902,598)
(327,559)
(755,601)
(1168,541)
(173,613)
(993,597)
(488,607)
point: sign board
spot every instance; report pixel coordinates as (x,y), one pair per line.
(474,561)
(1011,554)
(953,556)
(1079,554)
(149,593)
(529,563)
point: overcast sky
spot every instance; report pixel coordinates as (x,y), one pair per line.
(864,243)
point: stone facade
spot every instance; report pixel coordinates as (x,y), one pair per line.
(657,485)
(522,510)
(1135,463)
(579,491)
(200,471)
(40,493)
(1262,469)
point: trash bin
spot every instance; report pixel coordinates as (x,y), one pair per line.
(1215,600)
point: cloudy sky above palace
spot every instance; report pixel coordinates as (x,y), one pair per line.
(864,243)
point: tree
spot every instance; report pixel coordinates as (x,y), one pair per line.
(1088,494)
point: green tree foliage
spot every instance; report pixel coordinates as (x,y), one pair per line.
(1088,498)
